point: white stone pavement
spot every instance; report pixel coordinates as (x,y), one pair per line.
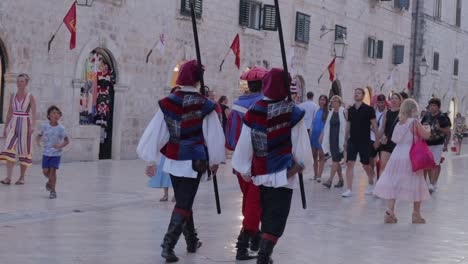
(105,214)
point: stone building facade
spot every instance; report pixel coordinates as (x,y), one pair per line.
(441,41)
(122,32)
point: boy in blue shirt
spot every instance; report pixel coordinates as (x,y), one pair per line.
(54,139)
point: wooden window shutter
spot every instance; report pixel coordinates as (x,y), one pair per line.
(302,27)
(244,13)
(435,62)
(398,54)
(185,8)
(269,18)
(380,47)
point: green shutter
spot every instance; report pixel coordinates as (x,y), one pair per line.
(269,18)
(185,8)
(302,27)
(380,46)
(398,54)
(244,13)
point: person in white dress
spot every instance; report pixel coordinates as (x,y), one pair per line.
(272,147)
(186,129)
(398,181)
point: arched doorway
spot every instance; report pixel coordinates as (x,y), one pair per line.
(297,89)
(3,65)
(335,89)
(452,109)
(368,95)
(175,73)
(97,97)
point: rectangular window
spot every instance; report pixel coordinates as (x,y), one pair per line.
(398,54)
(371,48)
(435,61)
(438,9)
(340,32)
(185,8)
(402,4)
(302,27)
(455,67)
(250,14)
(380,47)
(458,14)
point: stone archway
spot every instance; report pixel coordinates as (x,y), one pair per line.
(90,135)
(368,95)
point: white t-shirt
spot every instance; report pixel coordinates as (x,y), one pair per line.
(379,119)
(310,109)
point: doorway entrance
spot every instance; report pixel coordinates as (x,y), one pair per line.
(97,97)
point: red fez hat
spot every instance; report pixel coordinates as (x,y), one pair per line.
(254,74)
(188,74)
(274,86)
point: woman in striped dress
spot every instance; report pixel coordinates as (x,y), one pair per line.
(19,126)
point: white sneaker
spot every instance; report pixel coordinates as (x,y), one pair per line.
(348,193)
(370,189)
(431,188)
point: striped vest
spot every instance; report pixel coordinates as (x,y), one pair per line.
(184,113)
(271,123)
(234,123)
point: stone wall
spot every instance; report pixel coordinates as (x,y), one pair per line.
(128,29)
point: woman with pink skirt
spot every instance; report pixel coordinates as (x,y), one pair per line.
(398,181)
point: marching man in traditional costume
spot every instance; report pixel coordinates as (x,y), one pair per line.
(185,130)
(272,148)
(251,209)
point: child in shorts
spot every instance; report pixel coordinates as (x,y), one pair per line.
(54,138)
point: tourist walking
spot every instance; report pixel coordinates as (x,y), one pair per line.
(317,129)
(310,108)
(333,139)
(19,127)
(460,126)
(398,181)
(54,138)
(440,130)
(357,140)
(389,122)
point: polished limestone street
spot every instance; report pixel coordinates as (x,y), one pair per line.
(104,213)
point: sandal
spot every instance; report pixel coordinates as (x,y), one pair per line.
(327,184)
(390,218)
(164,199)
(417,219)
(5,182)
(20,182)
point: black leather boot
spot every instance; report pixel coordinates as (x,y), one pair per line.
(190,233)
(243,246)
(266,249)
(170,239)
(255,241)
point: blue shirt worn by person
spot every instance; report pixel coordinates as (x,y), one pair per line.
(52,135)
(317,128)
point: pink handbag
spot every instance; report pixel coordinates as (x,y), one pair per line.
(420,154)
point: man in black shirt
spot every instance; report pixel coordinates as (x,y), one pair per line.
(357,139)
(440,130)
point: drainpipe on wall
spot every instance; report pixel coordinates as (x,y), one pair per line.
(417,44)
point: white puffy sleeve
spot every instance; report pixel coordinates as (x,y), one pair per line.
(243,154)
(301,149)
(214,138)
(155,136)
